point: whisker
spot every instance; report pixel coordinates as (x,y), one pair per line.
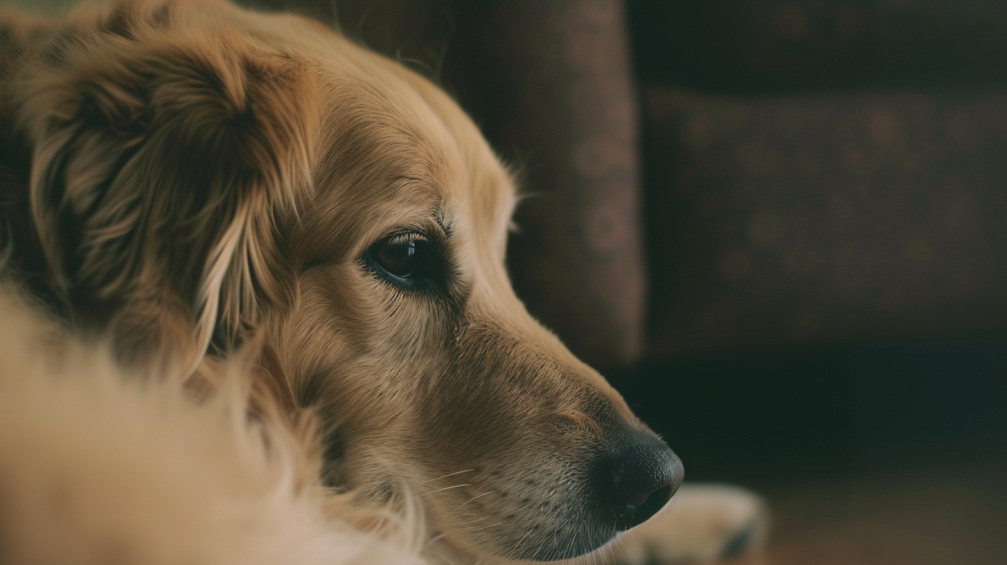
(448,488)
(479,496)
(517,545)
(450,475)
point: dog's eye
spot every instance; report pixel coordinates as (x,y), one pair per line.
(407,260)
(401,255)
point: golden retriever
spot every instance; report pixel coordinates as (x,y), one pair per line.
(192,184)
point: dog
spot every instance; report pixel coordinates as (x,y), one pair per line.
(189,185)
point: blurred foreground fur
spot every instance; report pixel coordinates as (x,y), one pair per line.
(102,466)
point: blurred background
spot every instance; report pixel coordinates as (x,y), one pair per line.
(779,228)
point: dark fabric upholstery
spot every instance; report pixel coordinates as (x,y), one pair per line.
(823,218)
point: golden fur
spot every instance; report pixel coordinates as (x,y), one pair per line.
(195,184)
(93,471)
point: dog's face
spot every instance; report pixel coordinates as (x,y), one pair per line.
(350,211)
(409,338)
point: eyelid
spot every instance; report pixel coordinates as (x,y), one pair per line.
(406,237)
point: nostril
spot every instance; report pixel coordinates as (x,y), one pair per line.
(645,473)
(637,480)
(632,487)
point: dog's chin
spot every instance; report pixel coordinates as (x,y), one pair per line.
(566,545)
(548,536)
(577,542)
(574,538)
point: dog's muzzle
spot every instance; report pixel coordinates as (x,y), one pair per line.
(631,477)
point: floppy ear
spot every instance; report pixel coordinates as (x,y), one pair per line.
(164,154)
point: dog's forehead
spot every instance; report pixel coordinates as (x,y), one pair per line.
(395,148)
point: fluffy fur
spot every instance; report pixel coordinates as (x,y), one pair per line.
(93,470)
(213,197)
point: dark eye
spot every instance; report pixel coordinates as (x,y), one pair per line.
(407,260)
(401,255)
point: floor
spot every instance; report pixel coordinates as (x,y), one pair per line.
(885,453)
(945,513)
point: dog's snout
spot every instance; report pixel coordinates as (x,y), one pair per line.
(645,473)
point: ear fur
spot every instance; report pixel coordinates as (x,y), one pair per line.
(165,150)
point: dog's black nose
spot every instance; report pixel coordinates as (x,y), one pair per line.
(645,473)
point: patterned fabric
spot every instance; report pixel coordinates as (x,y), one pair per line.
(822,218)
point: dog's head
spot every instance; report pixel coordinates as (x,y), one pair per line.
(209,168)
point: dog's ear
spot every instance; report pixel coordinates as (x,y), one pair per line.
(164,153)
